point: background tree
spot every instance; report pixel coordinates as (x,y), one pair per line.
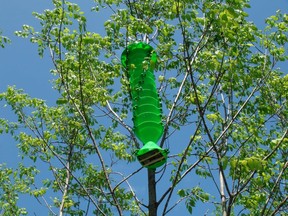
(222,93)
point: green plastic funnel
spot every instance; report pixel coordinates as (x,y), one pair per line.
(151,155)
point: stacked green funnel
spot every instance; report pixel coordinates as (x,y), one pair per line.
(139,60)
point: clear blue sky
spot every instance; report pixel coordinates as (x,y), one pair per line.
(20,64)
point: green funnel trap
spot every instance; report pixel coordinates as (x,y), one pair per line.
(151,155)
(139,60)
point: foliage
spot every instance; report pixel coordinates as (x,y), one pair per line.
(221,89)
(3,40)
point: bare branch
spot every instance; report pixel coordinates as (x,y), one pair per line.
(276,182)
(125,179)
(117,117)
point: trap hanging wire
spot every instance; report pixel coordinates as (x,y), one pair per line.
(139,59)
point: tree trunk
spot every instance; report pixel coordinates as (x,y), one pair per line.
(223,198)
(152,193)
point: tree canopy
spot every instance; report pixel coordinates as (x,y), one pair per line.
(224,101)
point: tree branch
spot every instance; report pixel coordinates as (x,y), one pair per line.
(66,186)
(123,124)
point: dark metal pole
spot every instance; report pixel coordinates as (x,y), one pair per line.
(153,205)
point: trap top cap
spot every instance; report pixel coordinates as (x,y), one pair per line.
(139,47)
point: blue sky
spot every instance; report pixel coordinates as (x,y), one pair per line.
(21,66)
